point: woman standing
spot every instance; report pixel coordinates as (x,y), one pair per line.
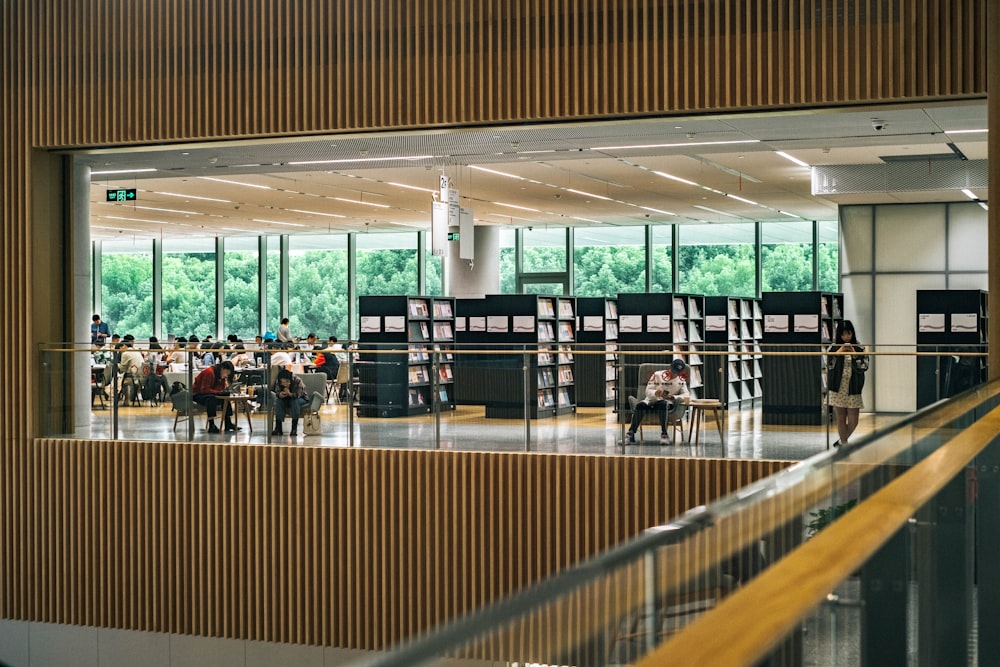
(846,365)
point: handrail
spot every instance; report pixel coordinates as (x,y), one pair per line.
(792,491)
(767,608)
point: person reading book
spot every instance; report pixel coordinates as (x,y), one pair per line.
(667,394)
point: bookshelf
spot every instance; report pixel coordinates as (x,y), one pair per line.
(656,327)
(950,323)
(405,347)
(797,322)
(732,367)
(597,335)
(513,331)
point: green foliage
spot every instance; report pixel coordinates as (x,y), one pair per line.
(189,294)
(608,270)
(717,270)
(824,517)
(127,294)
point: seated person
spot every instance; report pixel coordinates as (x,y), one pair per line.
(667,393)
(290,397)
(209,384)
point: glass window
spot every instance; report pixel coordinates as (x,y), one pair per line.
(273,286)
(189,287)
(317,285)
(828,245)
(786,257)
(607,261)
(434,274)
(241,302)
(386,264)
(662,270)
(508,261)
(717,259)
(127,287)
(544,250)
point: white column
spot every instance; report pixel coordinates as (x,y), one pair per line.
(80,222)
(475,279)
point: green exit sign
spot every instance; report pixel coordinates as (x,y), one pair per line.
(452,236)
(121,194)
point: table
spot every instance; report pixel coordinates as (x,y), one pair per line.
(698,408)
(240,403)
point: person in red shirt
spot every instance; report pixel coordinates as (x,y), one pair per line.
(208,386)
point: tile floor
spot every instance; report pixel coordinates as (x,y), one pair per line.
(588,431)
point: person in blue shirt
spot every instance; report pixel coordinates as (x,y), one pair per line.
(99,330)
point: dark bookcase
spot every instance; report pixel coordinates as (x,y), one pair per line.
(511,332)
(656,327)
(732,359)
(597,340)
(952,325)
(405,363)
(797,322)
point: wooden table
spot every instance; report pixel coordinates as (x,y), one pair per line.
(698,408)
(240,403)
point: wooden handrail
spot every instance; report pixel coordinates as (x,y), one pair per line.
(745,626)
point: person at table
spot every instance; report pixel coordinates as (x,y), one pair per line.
(209,385)
(99,357)
(290,398)
(327,361)
(667,394)
(99,330)
(284,332)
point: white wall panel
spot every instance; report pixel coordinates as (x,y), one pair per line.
(967,231)
(896,332)
(910,237)
(856,239)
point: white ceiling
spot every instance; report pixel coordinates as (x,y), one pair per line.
(583,174)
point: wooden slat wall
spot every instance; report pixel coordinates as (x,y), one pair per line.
(240,541)
(343,547)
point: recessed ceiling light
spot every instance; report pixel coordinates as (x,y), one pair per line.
(176,194)
(122,171)
(223,180)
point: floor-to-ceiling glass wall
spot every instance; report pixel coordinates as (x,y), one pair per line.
(786,256)
(607,261)
(317,285)
(189,287)
(661,249)
(127,286)
(717,259)
(241,287)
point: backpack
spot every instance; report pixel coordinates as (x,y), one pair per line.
(177,387)
(320,359)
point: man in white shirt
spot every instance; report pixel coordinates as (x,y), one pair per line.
(666,393)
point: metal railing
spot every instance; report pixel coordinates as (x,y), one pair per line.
(877,553)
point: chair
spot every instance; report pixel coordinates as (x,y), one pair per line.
(674,422)
(343,377)
(315,386)
(97,385)
(185,408)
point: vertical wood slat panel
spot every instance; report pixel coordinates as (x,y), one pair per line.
(256,532)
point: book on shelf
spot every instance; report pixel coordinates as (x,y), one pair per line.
(745,309)
(544,356)
(695,334)
(415,332)
(733,309)
(545,308)
(696,376)
(443,394)
(694,359)
(565,374)
(744,330)
(610,329)
(563,396)
(442,309)
(418,308)
(610,310)
(733,333)
(694,312)
(679,334)
(545,331)
(565,308)
(680,312)
(442,331)
(565,331)
(824,306)
(565,354)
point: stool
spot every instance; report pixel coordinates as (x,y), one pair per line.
(698,408)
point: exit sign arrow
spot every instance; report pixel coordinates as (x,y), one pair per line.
(121,194)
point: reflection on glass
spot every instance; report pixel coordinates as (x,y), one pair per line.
(189,287)
(241,304)
(717,259)
(544,250)
(127,287)
(609,261)
(317,285)
(662,272)
(786,257)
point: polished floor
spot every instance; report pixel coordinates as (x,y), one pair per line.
(587,431)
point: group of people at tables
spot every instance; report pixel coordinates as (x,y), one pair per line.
(220,366)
